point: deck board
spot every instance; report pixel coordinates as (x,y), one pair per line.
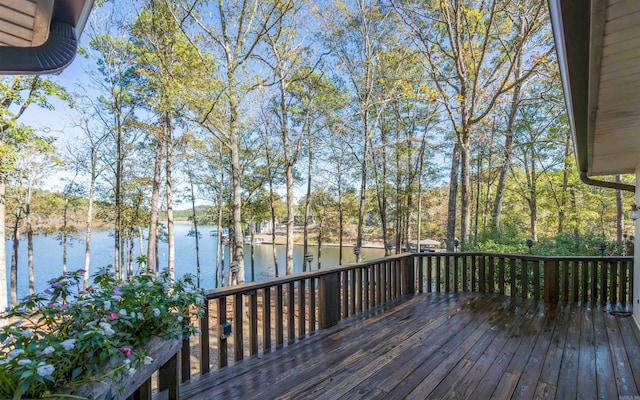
(446,345)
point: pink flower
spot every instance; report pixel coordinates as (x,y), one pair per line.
(112,316)
(126,351)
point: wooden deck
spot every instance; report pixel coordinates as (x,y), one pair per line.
(446,345)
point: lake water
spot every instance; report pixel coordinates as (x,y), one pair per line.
(47,255)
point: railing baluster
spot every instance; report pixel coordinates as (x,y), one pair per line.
(481,275)
(429,274)
(593,267)
(367,294)
(614,281)
(536,280)
(359,289)
(291,317)
(344,276)
(266,319)
(575,280)
(631,278)
(222,340)
(456,260)
(473,273)
(302,310)
(565,279)
(253,323)
(512,277)
(585,283)
(501,275)
(312,305)
(465,275)
(205,356)
(524,278)
(447,273)
(438,277)
(492,275)
(421,274)
(352,280)
(238,340)
(623,281)
(603,281)
(279,317)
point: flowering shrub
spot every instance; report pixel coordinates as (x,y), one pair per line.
(68,336)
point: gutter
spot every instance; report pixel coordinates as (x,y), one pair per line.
(611,185)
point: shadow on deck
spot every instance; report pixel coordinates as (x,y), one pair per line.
(447,345)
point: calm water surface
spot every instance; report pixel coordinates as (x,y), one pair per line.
(47,255)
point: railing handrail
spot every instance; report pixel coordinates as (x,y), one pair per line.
(212,294)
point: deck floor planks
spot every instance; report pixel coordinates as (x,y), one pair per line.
(604,362)
(443,345)
(587,359)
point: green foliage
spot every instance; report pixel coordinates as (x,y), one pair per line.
(67,336)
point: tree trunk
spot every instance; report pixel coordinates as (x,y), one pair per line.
(508,143)
(340,215)
(453,194)
(195,224)
(29,239)
(238,242)
(14,260)
(465,188)
(118,199)
(169,182)
(89,221)
(320,243)
(363,186)
(3,259)
(153,214)
(219,243)
(307,202)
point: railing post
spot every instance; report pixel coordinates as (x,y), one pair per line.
(408,276)
(551,282)
(329,300)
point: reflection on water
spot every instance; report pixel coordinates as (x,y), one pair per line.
(48,257)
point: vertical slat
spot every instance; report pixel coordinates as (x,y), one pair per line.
(359,287)
(575,278)
(312,305)
(438,279)
(266,319)
(623,281)
(173,389)
(481,275)
(329,302)
(536,280)
(238,340)
(465,274)
(524,278)
(594,279)
(352,298)
(386,287)
(253,323)
(550,281)
(345,293)
(302,311)
(614,281)
(421,274)
(279,317)
(585,282)
(205,355)
(631,278)
(492,275)
(367,294)
(512,277)
(603,281)
(291,315)
(144,392)
(429,274)
(222,341)
(501,275)
(565,279)
(379,284)
(473,273)
(185,361)
(447,274)
(456,260)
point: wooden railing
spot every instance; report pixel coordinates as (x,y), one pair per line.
(553,279)
(245,320)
